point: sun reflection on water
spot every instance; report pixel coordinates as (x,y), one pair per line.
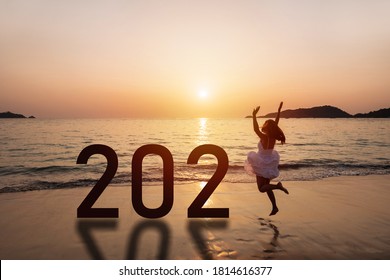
(203,132)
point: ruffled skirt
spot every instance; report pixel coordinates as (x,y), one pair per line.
(264,163)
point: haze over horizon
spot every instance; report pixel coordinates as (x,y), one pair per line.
(192,58)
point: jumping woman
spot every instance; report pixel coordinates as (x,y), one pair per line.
(264,164)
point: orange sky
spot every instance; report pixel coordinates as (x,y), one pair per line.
(152,58)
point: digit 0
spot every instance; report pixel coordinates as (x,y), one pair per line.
(136,189)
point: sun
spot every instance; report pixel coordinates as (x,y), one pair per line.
(203,94)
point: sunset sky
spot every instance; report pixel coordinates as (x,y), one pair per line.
(201,58)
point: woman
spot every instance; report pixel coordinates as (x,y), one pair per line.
(264,164)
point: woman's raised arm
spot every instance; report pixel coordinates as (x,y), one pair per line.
(255,124)
(278,115)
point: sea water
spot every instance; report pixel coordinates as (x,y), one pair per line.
(41,153)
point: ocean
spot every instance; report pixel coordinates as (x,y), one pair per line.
(38,154)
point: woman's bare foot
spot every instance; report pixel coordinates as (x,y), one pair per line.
(280,185)
(274,211)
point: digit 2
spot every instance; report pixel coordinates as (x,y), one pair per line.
(195,210)
(85,209)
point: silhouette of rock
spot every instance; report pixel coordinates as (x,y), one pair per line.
(10,115)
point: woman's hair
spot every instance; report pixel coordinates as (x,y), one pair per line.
(272,129)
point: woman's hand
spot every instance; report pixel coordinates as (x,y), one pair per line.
(255,111)
(280,106)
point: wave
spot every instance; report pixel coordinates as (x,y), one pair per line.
(17,170)
(312,170)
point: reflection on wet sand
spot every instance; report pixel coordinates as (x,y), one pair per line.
(207,244)
(161,228)
(270,248)
(85,228)
(204,235)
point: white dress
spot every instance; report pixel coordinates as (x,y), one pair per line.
(264,163)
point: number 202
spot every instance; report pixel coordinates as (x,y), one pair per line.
(195,210)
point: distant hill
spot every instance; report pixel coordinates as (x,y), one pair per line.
(10,115)
(382,113)
(326,111)
(315,112)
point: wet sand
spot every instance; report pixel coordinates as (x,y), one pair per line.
(335,218)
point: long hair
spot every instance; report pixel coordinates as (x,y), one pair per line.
(272,129)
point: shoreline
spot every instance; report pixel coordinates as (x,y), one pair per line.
(8,190)
(333,218)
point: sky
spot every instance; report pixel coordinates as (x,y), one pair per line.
(204,58)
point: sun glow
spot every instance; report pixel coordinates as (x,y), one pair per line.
(203,94)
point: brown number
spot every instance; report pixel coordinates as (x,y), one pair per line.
(136,166)
(85,209)
(195,210)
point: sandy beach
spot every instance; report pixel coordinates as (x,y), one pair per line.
(334,218)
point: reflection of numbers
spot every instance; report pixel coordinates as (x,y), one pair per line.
(136,166)
(196,227)
(195,210)
(161,228)
(86,227)
(85,209)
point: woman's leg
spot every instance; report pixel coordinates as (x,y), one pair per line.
(271,197)
(261,183)
(270,187)
(264,186)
